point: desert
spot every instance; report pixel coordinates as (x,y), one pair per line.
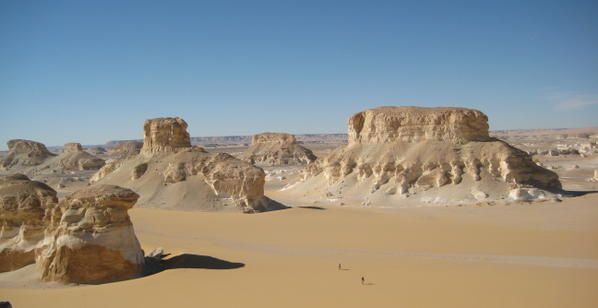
(299,154)
(513,221)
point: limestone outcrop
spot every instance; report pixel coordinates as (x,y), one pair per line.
(25,153)
(170,173)
(165,135)
(125,150)
(90,238)
(23,204)
(274,149)
(73,158)
(109,167)
(405,151)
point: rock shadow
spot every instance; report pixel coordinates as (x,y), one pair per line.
(576,193)
(187,260)
(312,207)
(269,205)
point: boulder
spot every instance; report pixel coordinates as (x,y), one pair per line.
(25,153)
(90,238)
(274,149)
(23,204)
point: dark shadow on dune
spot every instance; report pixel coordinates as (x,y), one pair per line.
(186,260)
(575,193)
(311,207)
(269,205)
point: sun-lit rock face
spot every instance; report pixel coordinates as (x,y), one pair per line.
(413,124)
(279,138)
(90,238)
(23,204)
(406,151)
(274,149)
(170,173)
(72,147)
(165,135)
(25,153)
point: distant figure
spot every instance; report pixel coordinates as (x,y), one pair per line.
(362,280)
(339,267)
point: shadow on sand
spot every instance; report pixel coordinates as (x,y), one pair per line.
(311,207)
(186,260)
(574,193)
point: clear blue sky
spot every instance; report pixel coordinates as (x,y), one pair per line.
(92,71)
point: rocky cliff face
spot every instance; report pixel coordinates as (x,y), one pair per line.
(273,149)
(25,153)
(23,204)
(408,150)
(414,124)
(126,149)
(165,135)
(90,238)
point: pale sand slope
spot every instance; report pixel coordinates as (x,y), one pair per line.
(540,255)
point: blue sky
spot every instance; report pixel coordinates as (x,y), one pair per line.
(92,71)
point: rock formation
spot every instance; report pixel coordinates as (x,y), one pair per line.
(125,150)
(73,158)
(165,135)
(25,153)
(402,151)
(90,238)
(273,149)
(23,204)
(170,173)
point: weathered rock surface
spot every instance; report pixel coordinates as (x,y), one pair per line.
(23,204)
(169,173)
(165,135)
(109,167)
(409,150)
(125,150)
(412,124)
(25,153)
(73,158)
(274,149)
(90,238)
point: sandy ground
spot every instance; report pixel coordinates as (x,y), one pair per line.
(538,255)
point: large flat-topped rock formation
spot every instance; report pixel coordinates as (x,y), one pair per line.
(23,204)
(274,149)
(438,155)
(25,153)
(169,173)
(90,238)
(413,124)
(277,138)
(165,135)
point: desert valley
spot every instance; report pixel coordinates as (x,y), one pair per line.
(412,207)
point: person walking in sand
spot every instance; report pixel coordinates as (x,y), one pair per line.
(362,280)
(339,267)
